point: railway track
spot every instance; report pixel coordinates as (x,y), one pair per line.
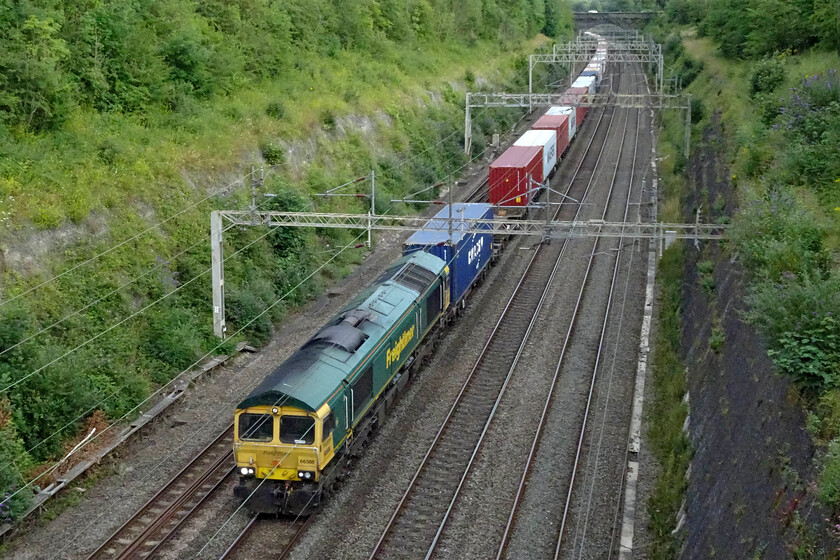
(538,373)
(274,534)
(422,513)
(572,475)
(142,535)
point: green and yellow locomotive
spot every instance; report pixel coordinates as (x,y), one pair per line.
(294,431)
(300,425)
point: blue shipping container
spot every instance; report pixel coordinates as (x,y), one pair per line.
(472,250)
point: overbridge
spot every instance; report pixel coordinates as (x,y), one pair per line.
(585,20)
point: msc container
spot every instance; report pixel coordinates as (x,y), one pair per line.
(470,250)
(560,125)
(587,82)
(576,95)
(547,140)
(512,173)
(570,113)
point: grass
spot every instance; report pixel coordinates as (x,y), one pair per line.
(668,411)
(107,162)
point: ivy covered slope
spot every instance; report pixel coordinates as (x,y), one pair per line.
(116,116)
(769,69)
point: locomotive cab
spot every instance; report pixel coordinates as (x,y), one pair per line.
(286,444)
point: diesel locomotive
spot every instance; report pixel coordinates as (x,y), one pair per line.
(295,432)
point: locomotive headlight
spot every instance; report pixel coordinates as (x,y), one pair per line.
(275,410)
(306,475)
(244,471)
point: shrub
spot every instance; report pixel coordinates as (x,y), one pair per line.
(272,153)
(797,316)
(698,110)
(172,337)
(276,110)
(775,237)
(13,462)
(766,76)
(829,484)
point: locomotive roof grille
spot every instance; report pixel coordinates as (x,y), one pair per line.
(409,275)
(415,277)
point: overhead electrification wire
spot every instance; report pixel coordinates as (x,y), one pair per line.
(135,314)
(194,364)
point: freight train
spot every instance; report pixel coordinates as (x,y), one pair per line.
(518,175)
(296,432)
(298,429)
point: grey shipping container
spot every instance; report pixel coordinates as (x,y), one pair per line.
(472,249)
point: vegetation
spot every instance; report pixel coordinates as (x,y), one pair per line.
(668,441)
(118,115)
(756,28)
(766,69)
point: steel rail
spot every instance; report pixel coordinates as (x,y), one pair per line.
(299,525)
(607,317)
(546,407)
(132,535)
(424,462)
(291,544)
(239,538)
(442,525)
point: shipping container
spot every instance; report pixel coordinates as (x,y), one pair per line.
(576,95)
(547,140)
(597,68)
(560,125)
(470,250)
(591,74)
(570,113)
(588,82)
(514,173)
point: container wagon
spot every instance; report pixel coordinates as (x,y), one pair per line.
(513,176)
(467,253)
(560,125)
(545,139)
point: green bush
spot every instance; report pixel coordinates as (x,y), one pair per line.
(14,462)
(829,483)
(276,110)
(698,110)
(797,315)
(767,75)
(272,153)
(774,237)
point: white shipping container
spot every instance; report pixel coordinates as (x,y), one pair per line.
(586,81)
(547,139)
(569,112)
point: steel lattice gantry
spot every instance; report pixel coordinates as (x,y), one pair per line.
(222,220)
(657,101)
(631,50)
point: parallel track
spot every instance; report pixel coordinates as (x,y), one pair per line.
(423,510)
(284,535)
(142,535)
(572,475)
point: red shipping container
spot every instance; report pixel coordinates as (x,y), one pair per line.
(578,94)
(560,125)
(511,175)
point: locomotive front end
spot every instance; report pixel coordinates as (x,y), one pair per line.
(280,452)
